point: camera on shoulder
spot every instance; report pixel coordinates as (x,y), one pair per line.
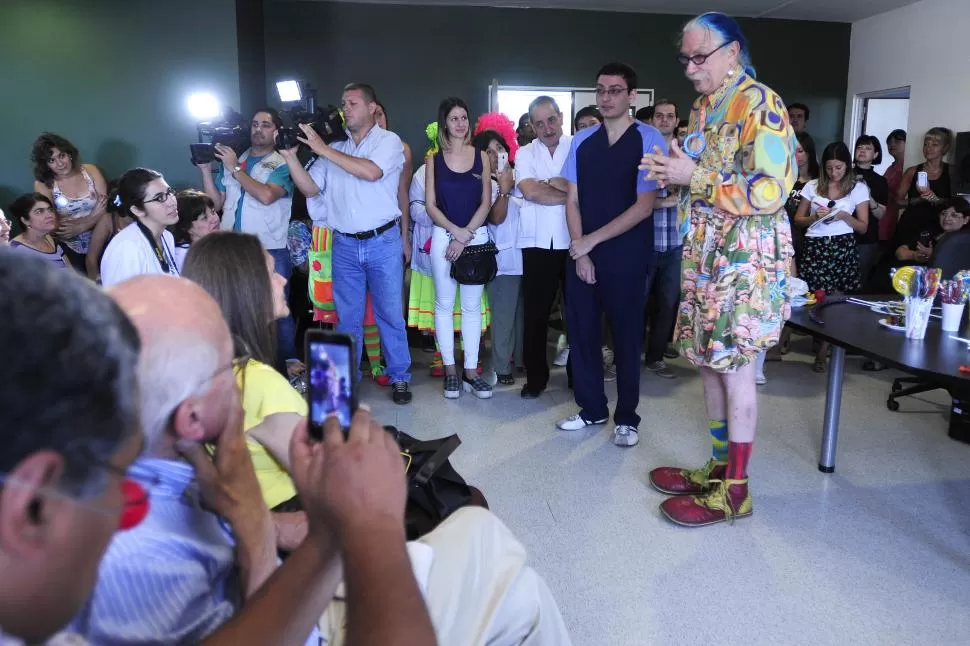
(231,130)
(326,122)
(302,99)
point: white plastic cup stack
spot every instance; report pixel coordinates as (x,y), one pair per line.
(952,316)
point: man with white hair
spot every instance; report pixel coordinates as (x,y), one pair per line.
(542,236)
(182,576)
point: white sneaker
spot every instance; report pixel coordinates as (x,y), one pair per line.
(760,380)
(609,373)
(562,358)
(561,343)
(624,435)
(577,423)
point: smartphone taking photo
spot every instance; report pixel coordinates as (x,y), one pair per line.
(330,379)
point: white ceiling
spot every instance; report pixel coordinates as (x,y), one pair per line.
(824,10)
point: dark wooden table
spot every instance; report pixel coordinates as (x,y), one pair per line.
(936,358)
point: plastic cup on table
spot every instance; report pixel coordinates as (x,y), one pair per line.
(917,316)
(952,316)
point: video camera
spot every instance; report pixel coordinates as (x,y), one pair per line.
(326,122)
(232,130)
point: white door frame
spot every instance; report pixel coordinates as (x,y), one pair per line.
(858,105)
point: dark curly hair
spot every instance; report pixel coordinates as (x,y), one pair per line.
(192,205)
(41,153)
(485,137)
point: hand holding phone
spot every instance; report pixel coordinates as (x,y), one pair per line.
(330,376)
(503,162)
(922,179)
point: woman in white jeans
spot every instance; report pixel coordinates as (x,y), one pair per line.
(458,193)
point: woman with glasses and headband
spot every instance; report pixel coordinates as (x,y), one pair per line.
(144,247)
(736,168)
(241,276)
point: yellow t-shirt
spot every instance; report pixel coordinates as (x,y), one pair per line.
(267,392)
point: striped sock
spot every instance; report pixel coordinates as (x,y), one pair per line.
(719,438)
(372,346)
(738,455)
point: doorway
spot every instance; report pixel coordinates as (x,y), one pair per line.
(879,114)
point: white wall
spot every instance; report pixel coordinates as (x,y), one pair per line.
(925,46)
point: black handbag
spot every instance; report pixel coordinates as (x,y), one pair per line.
(435,489)
(476,265)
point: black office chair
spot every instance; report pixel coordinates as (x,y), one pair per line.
(952,254)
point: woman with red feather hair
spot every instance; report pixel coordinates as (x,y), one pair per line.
(493,134)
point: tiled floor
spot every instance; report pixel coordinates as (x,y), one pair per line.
(878,553)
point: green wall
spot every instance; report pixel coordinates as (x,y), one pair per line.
(112,77)
(417,55)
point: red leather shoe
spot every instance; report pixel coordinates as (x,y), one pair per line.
(727,500)
(674,481)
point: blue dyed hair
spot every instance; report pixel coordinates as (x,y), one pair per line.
(728,30)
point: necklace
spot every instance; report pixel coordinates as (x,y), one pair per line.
(45,241)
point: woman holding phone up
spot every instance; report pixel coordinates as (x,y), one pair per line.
(925,187)
(833,209)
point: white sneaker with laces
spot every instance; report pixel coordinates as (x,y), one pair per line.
(624,435)
(577,423)
(562,358)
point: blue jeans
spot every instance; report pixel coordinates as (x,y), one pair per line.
(286,326)
(375,265)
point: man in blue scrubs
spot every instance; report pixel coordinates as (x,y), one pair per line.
(608,207)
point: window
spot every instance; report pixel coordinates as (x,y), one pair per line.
(513,101)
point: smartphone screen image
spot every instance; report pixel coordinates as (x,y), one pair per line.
(330,379)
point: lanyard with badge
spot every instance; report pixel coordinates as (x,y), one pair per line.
(162,253)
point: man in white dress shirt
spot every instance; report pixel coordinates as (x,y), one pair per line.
(543,235)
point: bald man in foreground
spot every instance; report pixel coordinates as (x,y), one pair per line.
(181,577)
